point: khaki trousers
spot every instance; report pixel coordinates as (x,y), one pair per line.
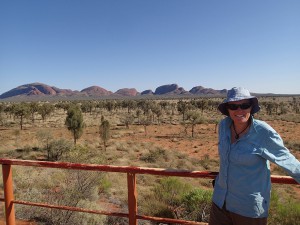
(224,217)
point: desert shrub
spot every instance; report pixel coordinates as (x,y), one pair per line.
(112,220)
(128,120)
(71,188)
(171,190)
(58,149)
(121,146)
(197,204)
(104,186)
(1,120)
(174,198)
(283,211)
(292,117)
(168,197)
(27,149)
(205,161)
(84,154)
(153,155)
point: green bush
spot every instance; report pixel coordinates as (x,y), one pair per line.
(167,197)
(174,198)
(283,212)
(171,190)
(57,149)
(197,204)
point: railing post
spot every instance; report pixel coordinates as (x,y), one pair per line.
(132,198)
(8,194)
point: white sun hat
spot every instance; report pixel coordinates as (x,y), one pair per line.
(237,94)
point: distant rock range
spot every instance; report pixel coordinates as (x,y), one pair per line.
(44,90)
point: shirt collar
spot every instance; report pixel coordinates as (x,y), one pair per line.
(253,125)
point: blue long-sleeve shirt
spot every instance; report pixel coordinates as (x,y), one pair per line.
(244,181)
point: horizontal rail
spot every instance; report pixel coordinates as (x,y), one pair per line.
(131,169)
(108,168)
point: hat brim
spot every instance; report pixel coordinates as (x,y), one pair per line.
(255,107)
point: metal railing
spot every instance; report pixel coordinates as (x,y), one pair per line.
(131,172)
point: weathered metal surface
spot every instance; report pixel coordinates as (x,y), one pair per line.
(132,198)
(8,194)
(283,180)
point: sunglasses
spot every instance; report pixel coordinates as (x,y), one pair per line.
(236,106)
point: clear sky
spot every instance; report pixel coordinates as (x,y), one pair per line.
(144,44)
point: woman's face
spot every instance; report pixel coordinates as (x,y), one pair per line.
(239,115)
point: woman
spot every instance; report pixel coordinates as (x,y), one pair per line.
(246,145)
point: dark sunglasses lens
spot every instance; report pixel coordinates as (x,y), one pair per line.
(245,106)
(236,106)
(232,106)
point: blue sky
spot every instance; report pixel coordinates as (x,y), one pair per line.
(143,44)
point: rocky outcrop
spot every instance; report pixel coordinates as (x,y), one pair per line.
(67,92)
(199,90)
(29,90)
(95,91)
(127,92)
(169,89)
(35,92)
(147,92)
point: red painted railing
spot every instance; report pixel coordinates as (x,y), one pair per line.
(131,183)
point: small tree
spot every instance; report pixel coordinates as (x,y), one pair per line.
(21,111)
(33,108)
(145,121)
(195,118)
(87,107)
(138,114)
(158,112)
(104,132)
(74,122)
(183,107)
(128,120)
(45,110)
(45,136)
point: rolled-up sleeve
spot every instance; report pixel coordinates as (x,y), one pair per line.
(275,151)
